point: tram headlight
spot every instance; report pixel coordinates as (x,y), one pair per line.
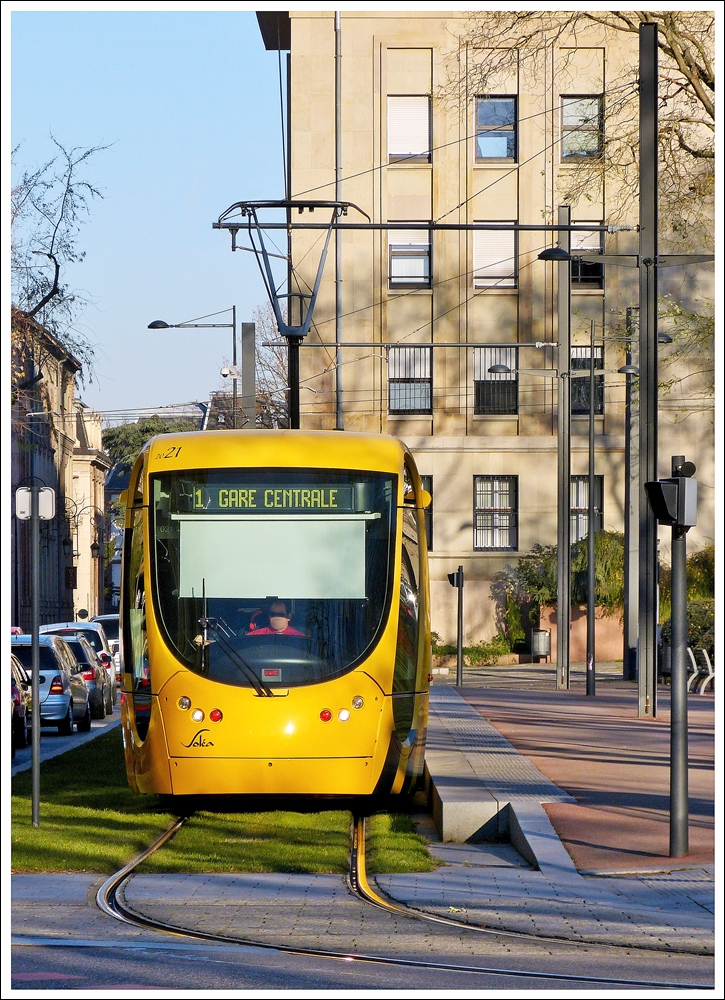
(357,701)
(197,715)
(184,703)
(344,714)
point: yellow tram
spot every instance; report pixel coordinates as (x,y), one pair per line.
(275,615)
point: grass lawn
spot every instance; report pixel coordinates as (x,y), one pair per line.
(277,841)
(393,846)
(90,821)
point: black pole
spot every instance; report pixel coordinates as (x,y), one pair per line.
(679,812)
(591,568)
(293,369)
(563,454)
(459,639)
(234,365)
(35,643)
(648,175)
(631,521)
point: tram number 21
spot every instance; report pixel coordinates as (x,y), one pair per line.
(169,453)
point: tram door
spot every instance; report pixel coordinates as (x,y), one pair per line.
(406,658)
(136,653)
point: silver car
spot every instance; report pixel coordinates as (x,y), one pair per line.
(95,675)
(63,695)
(96,636)
(111,626)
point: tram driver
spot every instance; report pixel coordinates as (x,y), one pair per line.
(278,617)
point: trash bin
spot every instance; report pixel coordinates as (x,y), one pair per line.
(541,642)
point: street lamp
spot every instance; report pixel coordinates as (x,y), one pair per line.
(563,515)
(160,324)
(561,256)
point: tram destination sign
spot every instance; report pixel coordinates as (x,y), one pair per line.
(269,499)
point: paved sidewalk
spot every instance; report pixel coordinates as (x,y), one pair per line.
(563,762)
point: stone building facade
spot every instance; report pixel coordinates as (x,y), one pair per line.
(425,315)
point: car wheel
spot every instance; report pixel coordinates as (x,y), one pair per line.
(65,728)
(84,724)
(20,732)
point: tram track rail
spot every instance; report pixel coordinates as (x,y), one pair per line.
(108,901)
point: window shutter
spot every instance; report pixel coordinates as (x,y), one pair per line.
(485,357)
(494,258)
(585,241)
(408,126)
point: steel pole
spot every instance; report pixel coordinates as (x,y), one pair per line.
(679,840)
(648,176)
(35,643)
(563,528)
(293,367)
(591,566)
(631,524)
(338,237)
(234,364)
(459,638)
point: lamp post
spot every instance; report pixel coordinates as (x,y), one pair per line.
(560,254)
(75,515)
(160,324)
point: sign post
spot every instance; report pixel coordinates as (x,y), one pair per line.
(456,580)
(674,502)
(35,504)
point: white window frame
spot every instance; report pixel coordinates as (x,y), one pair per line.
(589,242)
(409,128)
(495,257)
(483,359)
(410,381)
(502,131)
(583,354)
(579,506)
(409,258)
(495,524)
(587,128)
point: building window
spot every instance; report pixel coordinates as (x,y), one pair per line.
(580,361)
(581,127)
(495,129)
(585,274)
(495,258)
(409,129)
(580,506)
(495,392)
(409,260)
(427,483)
(409,380)
(495,512)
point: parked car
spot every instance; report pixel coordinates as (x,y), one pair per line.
(21,704)
(95,675)
(63,695)
(111,628)
(96,636)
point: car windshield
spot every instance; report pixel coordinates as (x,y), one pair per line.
(265,578)
(110,627)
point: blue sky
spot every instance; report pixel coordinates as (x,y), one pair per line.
(188,102)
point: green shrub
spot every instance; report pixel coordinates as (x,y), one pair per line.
(487,653)
(700,625)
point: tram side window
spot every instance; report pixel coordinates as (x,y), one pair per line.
(406,657)
(138,662)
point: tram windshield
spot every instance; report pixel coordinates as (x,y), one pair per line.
(272,578)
